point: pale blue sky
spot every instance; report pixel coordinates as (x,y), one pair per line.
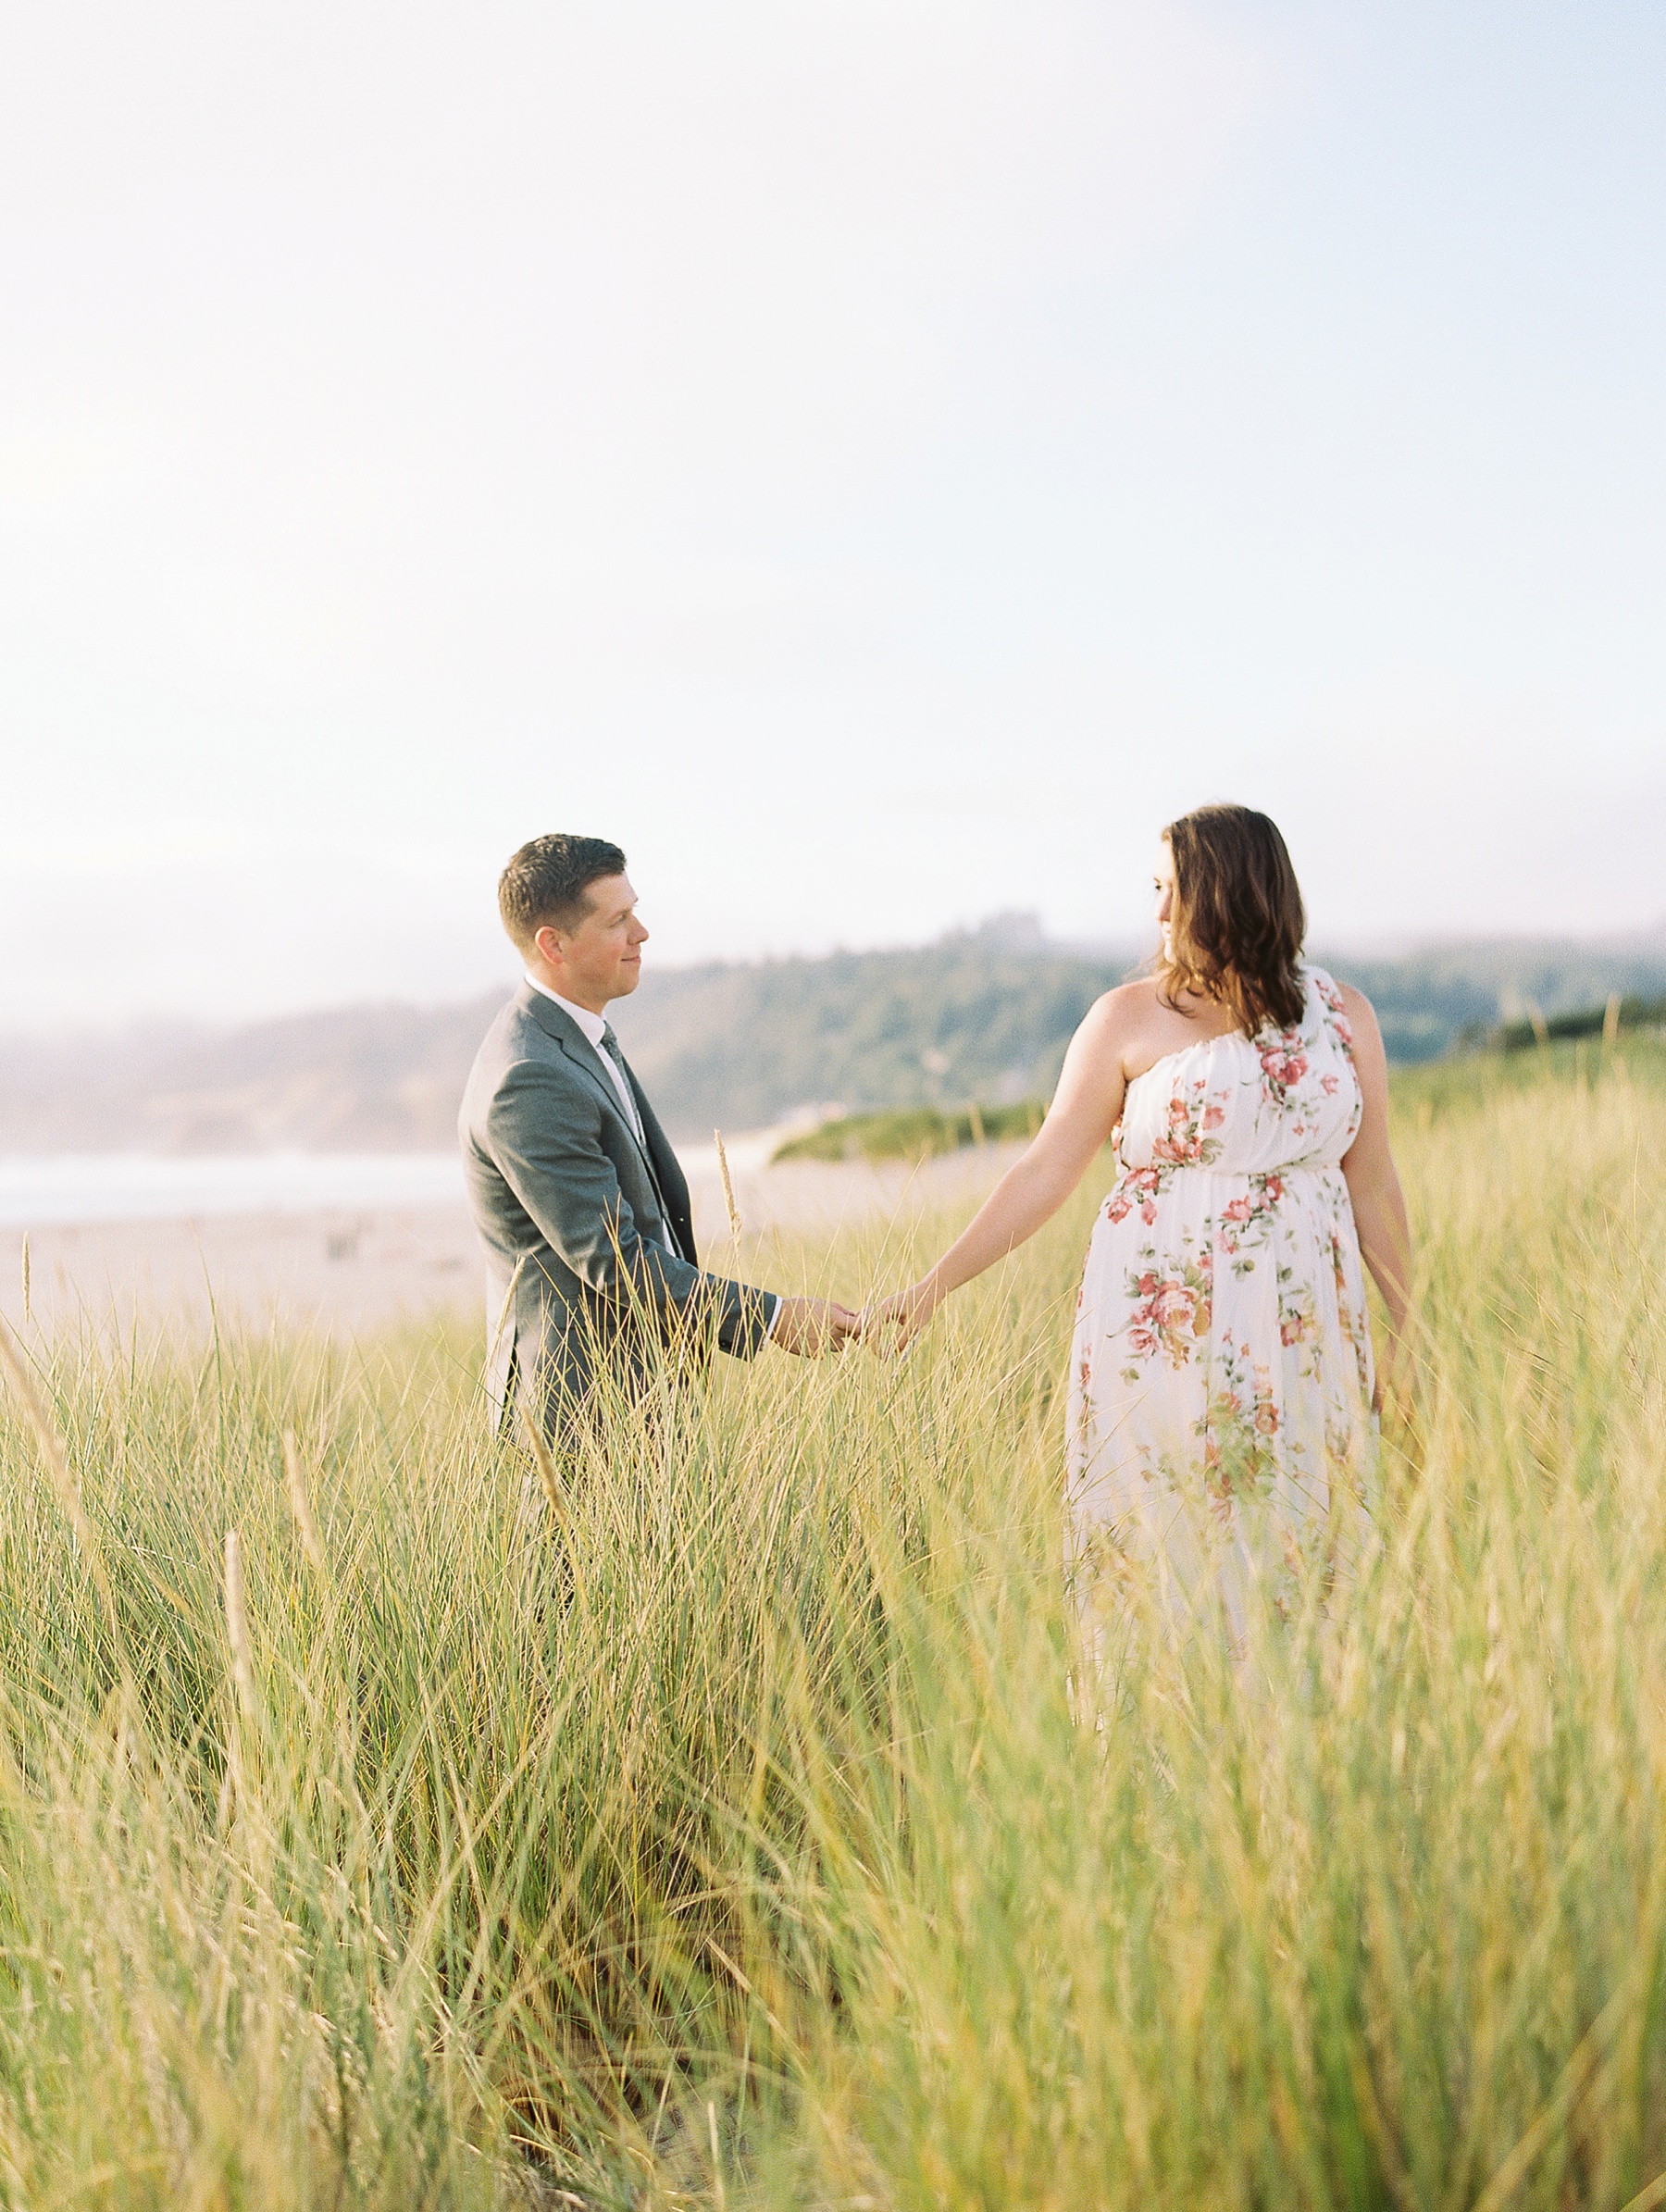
(878,461)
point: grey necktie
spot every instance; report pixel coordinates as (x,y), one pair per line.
(610,1045)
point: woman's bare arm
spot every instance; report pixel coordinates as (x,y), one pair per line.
(1086,1109)
(1373,1184)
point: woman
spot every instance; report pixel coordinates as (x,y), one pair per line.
(1221,1383)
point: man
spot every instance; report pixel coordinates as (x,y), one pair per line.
(575,1190)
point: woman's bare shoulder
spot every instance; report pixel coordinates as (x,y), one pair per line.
(1361,1018)
(1124,1010)
(1117,1026)
(1355,1004)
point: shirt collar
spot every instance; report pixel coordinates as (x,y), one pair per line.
(592,1025)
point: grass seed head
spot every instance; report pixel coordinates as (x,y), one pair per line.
(728,1187)
(294,1478)
(237,1624)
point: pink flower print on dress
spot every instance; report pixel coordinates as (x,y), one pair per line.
(1239,1421)
(1298,1327)
(1330,998)
(1245,1221)
(1284,1063)
(1140,1187)
(1191,1116)
(1171,1313)
(1225,1283)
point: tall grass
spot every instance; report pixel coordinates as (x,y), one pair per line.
(758,1832)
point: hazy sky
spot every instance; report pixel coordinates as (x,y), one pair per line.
(876,459)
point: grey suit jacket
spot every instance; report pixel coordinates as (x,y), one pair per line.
(598,1225)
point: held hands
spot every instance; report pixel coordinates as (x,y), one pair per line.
(808,1326)
(892,1324)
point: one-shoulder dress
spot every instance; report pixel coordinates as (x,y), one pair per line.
(1220,1418)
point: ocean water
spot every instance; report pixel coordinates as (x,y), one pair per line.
(96,1186)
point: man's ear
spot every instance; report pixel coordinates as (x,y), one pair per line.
(546,941)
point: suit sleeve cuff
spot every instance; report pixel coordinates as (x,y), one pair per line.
(775,1303)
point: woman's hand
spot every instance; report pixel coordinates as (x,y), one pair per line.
(1086,1107)
(1395,1397)
(892,1324)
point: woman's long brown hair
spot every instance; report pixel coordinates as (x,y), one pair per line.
(1237,921)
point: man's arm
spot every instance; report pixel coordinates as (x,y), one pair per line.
(545,1138)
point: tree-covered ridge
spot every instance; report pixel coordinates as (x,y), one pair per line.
(983,1015)
(974,1016)
(987,1014)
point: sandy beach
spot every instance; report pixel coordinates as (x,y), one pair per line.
(351,1271)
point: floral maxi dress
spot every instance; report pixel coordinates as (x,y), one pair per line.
(1220,1370)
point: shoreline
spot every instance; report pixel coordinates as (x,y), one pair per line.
(352,1270)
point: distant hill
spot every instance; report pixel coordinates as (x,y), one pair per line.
(358,1078)
(982,1013)
(1441,995)
(988,1014)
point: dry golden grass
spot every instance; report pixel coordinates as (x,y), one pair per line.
(761,1838)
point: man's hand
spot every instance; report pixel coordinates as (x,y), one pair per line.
(892,1324)
(808,1326)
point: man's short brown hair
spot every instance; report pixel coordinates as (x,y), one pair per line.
(546,880)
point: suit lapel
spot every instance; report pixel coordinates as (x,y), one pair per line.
(584,1056)
(671,1190)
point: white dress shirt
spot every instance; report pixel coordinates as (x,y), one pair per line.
(592,1026)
